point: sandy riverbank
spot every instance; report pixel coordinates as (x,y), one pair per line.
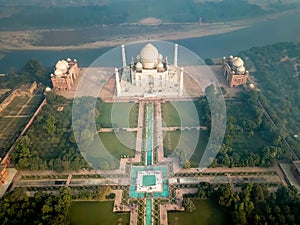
(29,39)
(25,40)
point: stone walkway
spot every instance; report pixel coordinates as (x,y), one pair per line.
(185,128)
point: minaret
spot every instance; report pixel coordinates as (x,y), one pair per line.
(123,55)
(181,82)
(175,54)
(118,86)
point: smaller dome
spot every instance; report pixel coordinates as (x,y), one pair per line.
(62,65)
(58,72)
(251,86)
(241,70)
(59,65)
(139,66)
(237,62)
(48,89)
(160,67)
(69,60)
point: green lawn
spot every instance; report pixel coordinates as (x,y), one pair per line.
(118,114)
(14,106)
(95,213)
(4,122)
(177,114)
(171,140)
(12,131)
(119,144)
(207,212)
(192,142)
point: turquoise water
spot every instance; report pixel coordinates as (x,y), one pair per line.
(149,146)
(149,180)
(149,212)
(134,170)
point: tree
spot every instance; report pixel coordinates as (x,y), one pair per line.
(34,70)
(187,165)
(103,192)
(226,196)
(188,204)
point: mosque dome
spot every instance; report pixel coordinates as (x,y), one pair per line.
(58,72)
(241,70)
(149,55)
(62,65)
(237,62)
(48,89)
(139,66)
(160,67)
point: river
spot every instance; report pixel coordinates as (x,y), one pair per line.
(285,28)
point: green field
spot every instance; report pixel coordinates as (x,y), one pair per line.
(118,115)
(207,212)
(176,114)
(192,143)
(95,213)
(119,144)
(14,106)
(10,127)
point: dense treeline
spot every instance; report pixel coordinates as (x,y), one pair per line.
(32,71)
(260,143)
(49,143)
(254,204)
(250,139)
(18,208)
(277,73)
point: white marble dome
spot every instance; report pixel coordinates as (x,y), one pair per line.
(241,70)
(237,62)
(58,72)
(139,66)
(62,65)
(149,56)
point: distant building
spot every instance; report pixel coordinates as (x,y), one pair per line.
(295,169)
(65,74)
(234,71)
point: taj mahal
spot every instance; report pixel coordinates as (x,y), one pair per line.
(149,74)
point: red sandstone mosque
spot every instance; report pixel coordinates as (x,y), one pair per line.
(234,71)
(65,74)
